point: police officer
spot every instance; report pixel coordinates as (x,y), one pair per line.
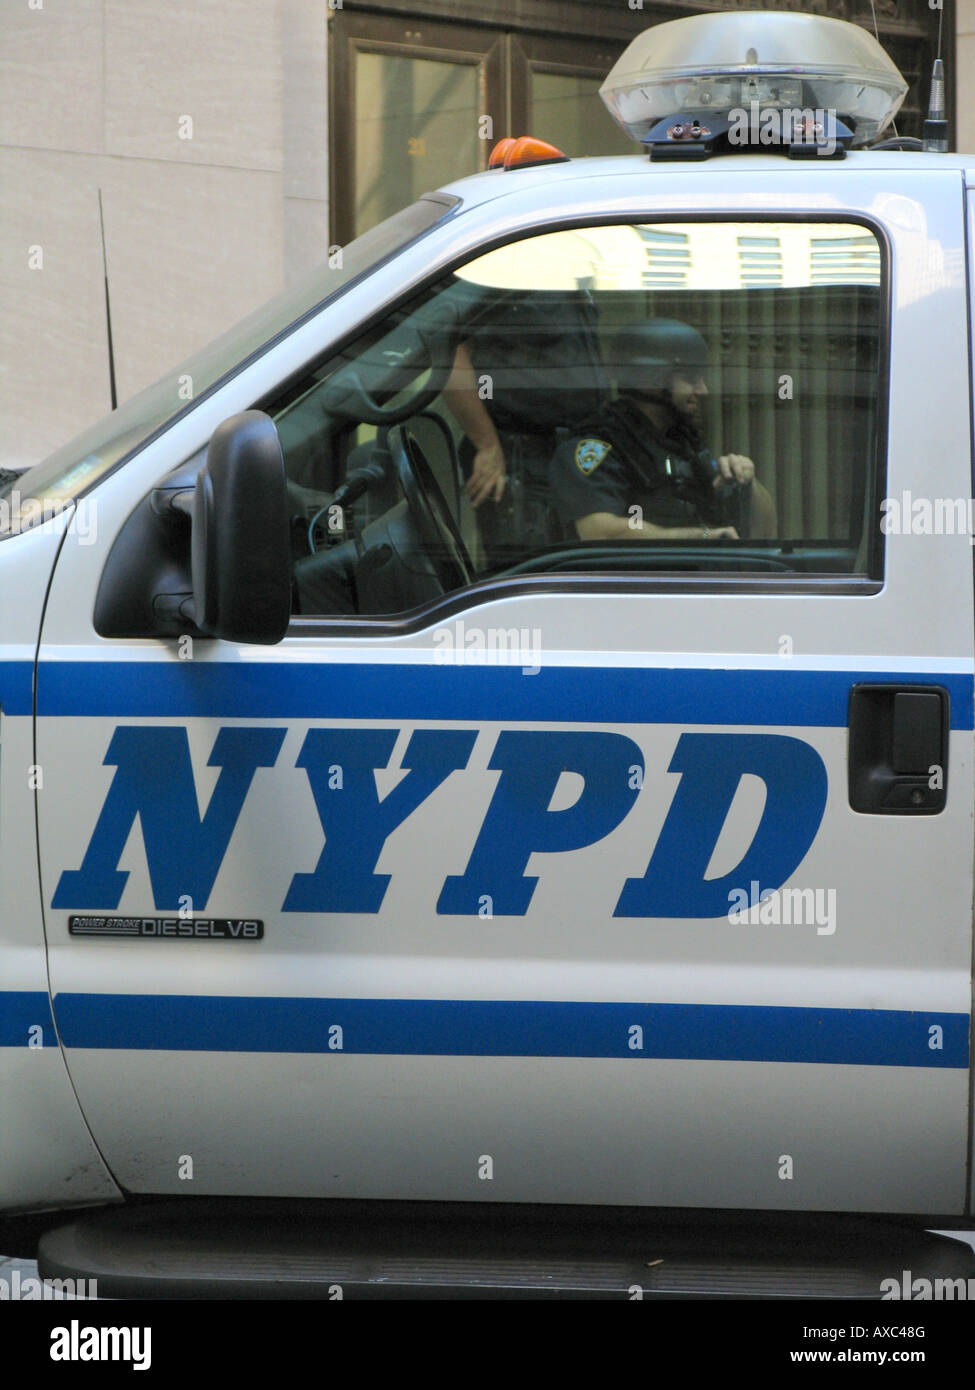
(539,351)
(640,470)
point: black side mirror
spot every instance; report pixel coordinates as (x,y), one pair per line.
(241,543)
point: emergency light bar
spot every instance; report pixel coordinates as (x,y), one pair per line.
(799,78)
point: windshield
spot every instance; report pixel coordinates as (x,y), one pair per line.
(73,468)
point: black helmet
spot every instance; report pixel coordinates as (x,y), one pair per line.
(645,355)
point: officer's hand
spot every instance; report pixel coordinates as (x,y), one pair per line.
(734,468)
(715,533)
(488,476)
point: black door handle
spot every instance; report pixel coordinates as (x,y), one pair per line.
(898,753)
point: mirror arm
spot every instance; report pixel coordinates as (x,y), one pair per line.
(167,501)
(175,615)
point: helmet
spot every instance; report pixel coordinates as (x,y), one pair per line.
(645,355)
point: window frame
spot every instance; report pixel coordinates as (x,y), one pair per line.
(428,615)
(354,31)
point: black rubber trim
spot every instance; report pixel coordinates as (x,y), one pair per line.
(266,1248)
(842,586)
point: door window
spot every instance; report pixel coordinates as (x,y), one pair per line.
(674,398)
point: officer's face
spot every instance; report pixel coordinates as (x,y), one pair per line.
(687,394)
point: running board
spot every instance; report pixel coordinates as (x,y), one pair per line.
(264,1249)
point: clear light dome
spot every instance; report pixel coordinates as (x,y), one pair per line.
(725,62)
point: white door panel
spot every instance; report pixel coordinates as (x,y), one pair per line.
(520,949)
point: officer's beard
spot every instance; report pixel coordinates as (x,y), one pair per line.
(686,433)
(679,430)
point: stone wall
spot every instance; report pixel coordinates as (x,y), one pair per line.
(203,123)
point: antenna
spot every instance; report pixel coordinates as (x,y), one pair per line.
(108,308)
(936,127)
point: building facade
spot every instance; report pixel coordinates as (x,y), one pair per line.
(199,154)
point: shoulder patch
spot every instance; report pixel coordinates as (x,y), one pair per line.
(590,454)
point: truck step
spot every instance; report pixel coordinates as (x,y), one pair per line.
(263,1249)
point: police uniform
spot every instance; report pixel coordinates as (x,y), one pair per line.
(622,460)
(540,350)
(518,524)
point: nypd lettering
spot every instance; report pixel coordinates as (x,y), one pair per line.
(154,781)
(711,767)
(358,824)
(518,823)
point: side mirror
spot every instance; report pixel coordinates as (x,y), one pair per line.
(241,545)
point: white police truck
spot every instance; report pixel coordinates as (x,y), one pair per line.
(460,751)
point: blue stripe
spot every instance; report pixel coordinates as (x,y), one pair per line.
(490,1028)
(17,687)
(563,694)
(21,1010)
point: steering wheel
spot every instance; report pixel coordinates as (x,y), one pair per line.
(439,532)
(348,395)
